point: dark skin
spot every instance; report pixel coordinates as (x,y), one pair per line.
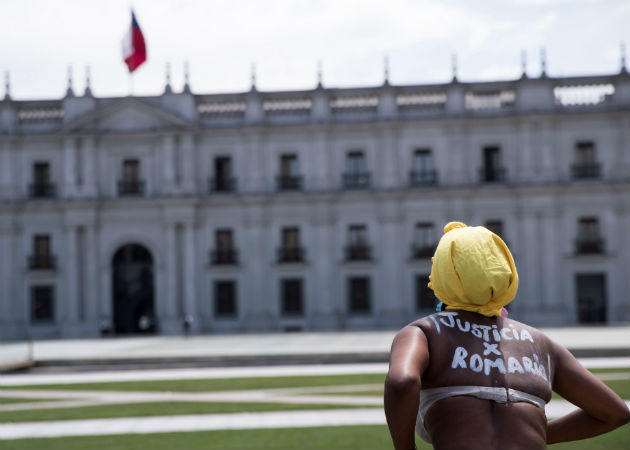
(422,356)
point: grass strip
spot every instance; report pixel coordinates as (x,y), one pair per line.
(610,370)
(620,387)
(616,439)
(214,384)
(9,400)
(350,437)
(153,409)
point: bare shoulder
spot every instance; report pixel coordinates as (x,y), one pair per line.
(424,323)
(527,331)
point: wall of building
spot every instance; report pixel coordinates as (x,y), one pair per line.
(540,204)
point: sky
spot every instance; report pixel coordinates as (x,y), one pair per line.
(285,39)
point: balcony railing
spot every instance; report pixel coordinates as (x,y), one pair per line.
(130,188)
(589,246)
(291,254)
(585,171)
(225,184)
(356,180)
(422,251)
(358,253)
(495,175)
(224,257)
(424,178)
(42,262)
(289,183)
(41,190)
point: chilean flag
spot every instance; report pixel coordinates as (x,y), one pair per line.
(133,48)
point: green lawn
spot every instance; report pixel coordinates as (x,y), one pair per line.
(219,384)
(152,409)
(621,388)
(615,440)
(611,370)
(358,437)
(6,400)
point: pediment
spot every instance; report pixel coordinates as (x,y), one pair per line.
(127,115)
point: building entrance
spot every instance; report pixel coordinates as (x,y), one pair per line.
(132,290)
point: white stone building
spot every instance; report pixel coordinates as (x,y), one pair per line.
(308,210)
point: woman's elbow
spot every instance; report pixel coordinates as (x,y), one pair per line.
(623,417)
(402,384)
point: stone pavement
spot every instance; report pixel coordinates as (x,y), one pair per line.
(272,348)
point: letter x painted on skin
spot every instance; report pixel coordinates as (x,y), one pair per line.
(490,348)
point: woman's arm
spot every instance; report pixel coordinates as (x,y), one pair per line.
(408,360)
(601,410)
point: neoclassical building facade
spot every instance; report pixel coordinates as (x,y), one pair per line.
(308,210)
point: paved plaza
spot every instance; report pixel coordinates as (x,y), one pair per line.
(239,349)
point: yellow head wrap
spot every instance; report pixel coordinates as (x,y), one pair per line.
(473,270)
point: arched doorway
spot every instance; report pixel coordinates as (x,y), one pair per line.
(132,290)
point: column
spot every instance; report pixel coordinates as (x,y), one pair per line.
(528,263)
(618,298)
(324,262)
(524,159)
(386,175)
(190,279)
(168,142)
(69,294)
(90,176)
(69,167)
(93,262)
(455,173)
(388,305)
(168,311)
(256,312)
(187,157)
(6,174)
(7,263)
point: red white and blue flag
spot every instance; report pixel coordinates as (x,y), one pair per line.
(133,47)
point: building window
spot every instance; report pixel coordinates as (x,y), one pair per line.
(223,180)
(591,298)
(492,170)
(425,298)
(289,178)
(424,240)
(42,304)
(41,187)
(356,175)
(589,240)
(358,248)
(291,292)
(586,165)
(423,173)
(130,183)
(359,295)
(290,249)
(42,257)
(225,298)
(224,251)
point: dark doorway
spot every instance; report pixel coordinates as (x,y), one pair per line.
(591,298)
(132,290)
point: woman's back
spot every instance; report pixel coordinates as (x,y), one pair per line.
(468,349)
(470,378)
